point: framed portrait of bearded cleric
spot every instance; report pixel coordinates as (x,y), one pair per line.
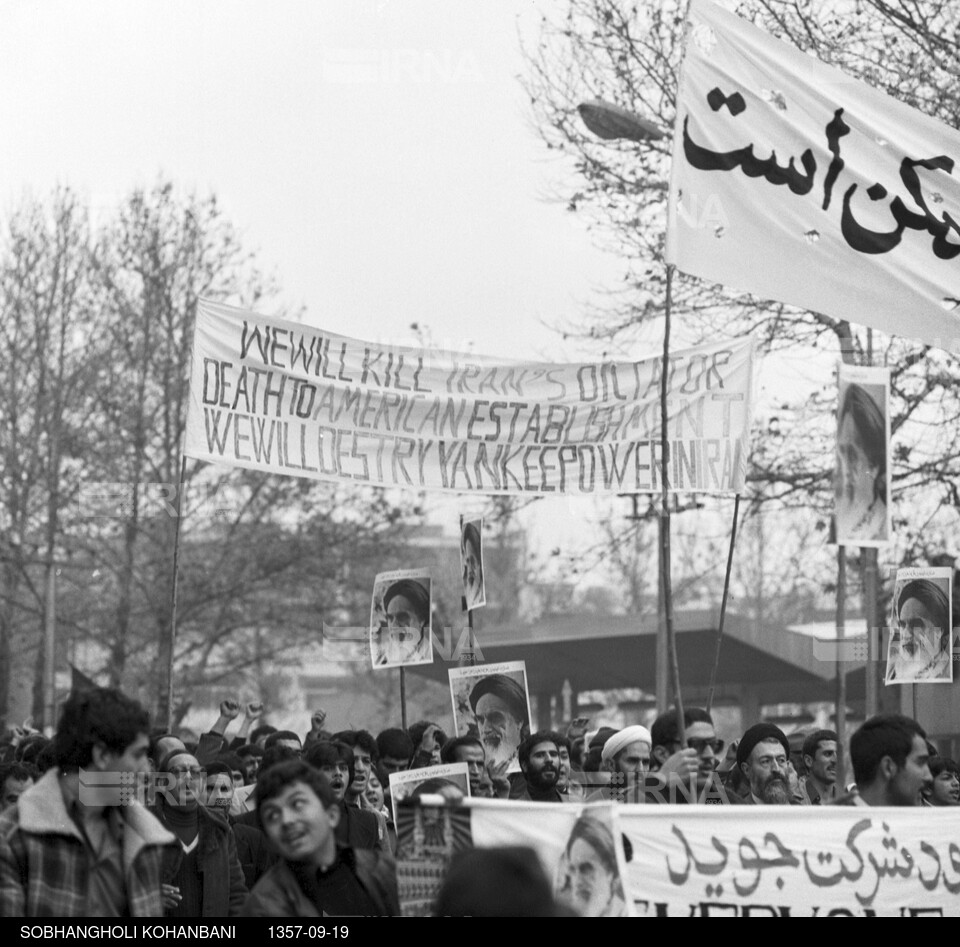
(919,650)
(491,702)
(401,618)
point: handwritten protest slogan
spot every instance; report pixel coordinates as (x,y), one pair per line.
(795,182)
(741,861)
(802,862)
(287,398)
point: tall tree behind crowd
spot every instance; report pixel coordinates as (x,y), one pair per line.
(46,315)
(94,402)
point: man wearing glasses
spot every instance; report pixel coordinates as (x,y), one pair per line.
(686,771)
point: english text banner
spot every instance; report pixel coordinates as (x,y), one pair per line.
(283,397)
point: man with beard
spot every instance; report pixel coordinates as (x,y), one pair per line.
(539,757)
(819,753)
(763,755)
(356,827)
(625,756)
(499,707)
(890,762)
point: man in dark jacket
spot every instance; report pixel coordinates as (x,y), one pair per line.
(202,876)
(315,876)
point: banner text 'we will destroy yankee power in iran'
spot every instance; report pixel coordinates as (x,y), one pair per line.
(287,398)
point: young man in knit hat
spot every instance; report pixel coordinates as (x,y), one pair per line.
(763,757)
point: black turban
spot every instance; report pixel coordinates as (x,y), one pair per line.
(758,733)
(415,593)
(507,689)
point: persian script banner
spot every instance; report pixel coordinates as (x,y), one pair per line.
(795,182)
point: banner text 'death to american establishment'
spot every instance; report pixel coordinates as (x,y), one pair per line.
(287,398)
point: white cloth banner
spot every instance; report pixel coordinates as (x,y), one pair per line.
(283,397)
(757,861)
(794,182)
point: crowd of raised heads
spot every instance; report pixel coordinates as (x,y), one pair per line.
(269,822)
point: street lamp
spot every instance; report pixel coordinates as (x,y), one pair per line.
(609,122)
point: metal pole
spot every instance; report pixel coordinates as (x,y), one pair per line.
(49,647)
(168,641)
(665,510)
(662,669)
(723,602)
(868,556)
(840,705)
(472,656)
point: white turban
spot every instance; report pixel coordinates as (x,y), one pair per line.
(623,738)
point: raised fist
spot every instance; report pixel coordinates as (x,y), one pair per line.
(229,708)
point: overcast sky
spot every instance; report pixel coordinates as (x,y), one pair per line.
(377,155)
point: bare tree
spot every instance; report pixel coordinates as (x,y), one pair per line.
(92,410)
(628,52)
(45,320)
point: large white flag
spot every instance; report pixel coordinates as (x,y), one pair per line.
(797,183)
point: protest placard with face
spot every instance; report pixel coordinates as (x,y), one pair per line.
(471,563)
(400,619)
(490,701)
(919,648)
(862,472)
(579,846)
(448,780)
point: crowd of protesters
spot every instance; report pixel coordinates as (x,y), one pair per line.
(277,823)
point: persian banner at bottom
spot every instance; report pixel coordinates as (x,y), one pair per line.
(709,861)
